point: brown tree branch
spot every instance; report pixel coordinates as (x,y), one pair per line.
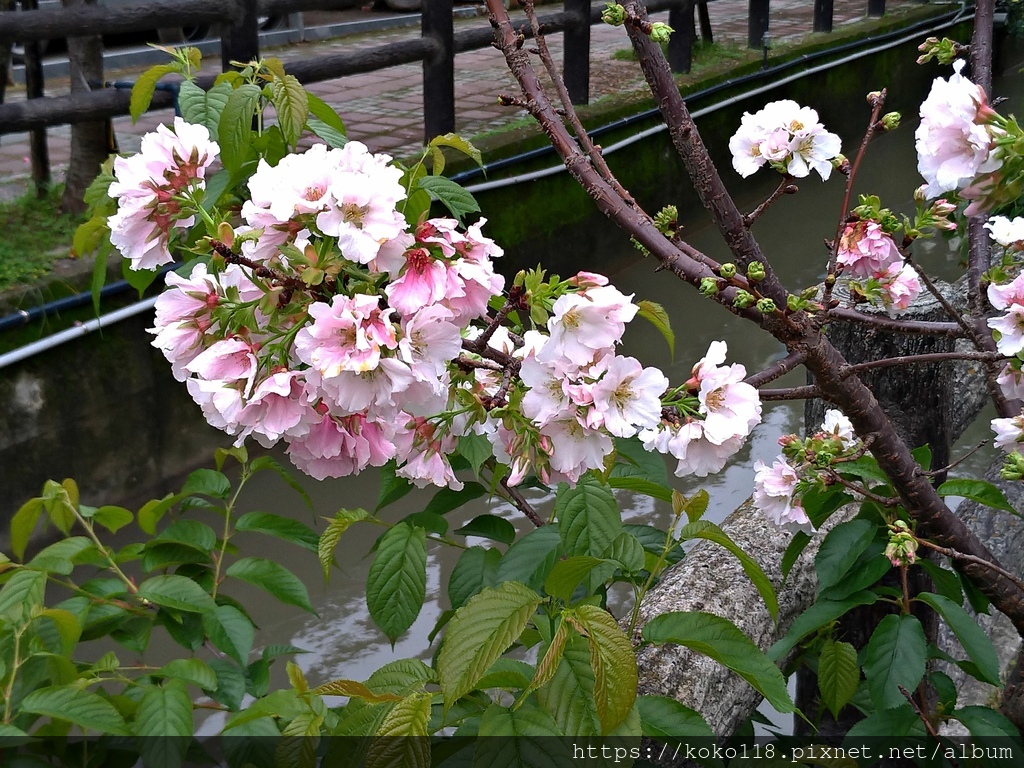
(775,370)
(883,323)
(931,357)
(805,392)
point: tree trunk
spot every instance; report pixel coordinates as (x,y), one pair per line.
(5,54)
(91,143)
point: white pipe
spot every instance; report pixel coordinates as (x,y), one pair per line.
(37,347)
(544,172)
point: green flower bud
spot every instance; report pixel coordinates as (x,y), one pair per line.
(891,121)
(613,14)
(1013,467)
(743,300)
(902,546)
(755,271)
(667,220)
(766,306)
(660,32)
(708,286)
(727,270)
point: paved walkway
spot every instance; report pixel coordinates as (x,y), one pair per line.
(383,109)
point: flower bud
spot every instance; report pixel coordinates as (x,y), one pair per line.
(766,306)
(891,121)
(755,272)
(743,300)
(1013,467)
(902,547)
(727,270)
(842,164)
(874,96)
(226,234)
(613,14)
(920,194)
(660,32)
(708,286)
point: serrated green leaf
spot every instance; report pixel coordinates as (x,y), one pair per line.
(392,487)
(230,683)
(402,736)
(152,511)
(633,460)
(973,638)
(719,639)
(671,722)
(292,106)
(208,482)
(793,551)
(67,625)
(567,574)
(548,664)
(230,631)
(475,570)
(480,632)
(898,723)
(274,578)
(22,592)
(489,527)
(945,581)
(89,235)
(195,671)
(894,656)
(234,130)
(263,463)
(190,533)
(980,491)
(177,593)
(325,113)
(23,524)
(451,195)
(531,558)
(204,107)
(446,499)
(402,677)
(702,529)
(519,746)
(332,534)
(818,615)
(838,675)
(613,661)
(57,557)
(507,673)
(658,317)
(569,694)
(113,518)
(397,580)
(476,449)
(166,711)
(984,723)
(588,519)
(458,143)
(353,688)
(88,710)
(840,550)
(871,566)
(627,551)
(283,528)
(142,90)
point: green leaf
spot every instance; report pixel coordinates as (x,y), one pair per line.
(282,527)
(946,582)
(838,675)
(88,710)
(840,550)
(475,571)
(567,574)
(569,693)
(402,736)
(671,722)
(476,449)
(972,637)
(588,517)
(402,677)
(519,746)
(292,106)
(204,107)
(898,723)
(190,533)
(894,656)
(67,626)
(451,195)
(113,518)
(22,592)
(460,144)
(58,556)
(177,593)
(353,688)
(818,615)
(614,663)
(234,131)
(331,137)
(165,711)
(445,500)
(142,90)
(397,581)
(658,317)
(88,237)
(653,542)
(330,537)
(793,551)
(984,722)
(325,113)
(489,527)
(530,559)
(152,511)
(274,578)
(230,631)
(976,490)
(208,482)
(99,273)
(392,487)
(507,673)
(635,461)
(627,551)
(702,529)
(719,639)
(269,462)
(480,632)
(23,524)
(230,683)
(871,566)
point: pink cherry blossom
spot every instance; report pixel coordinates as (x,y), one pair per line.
(279,405)
(731,408)
(1011,382)
(422,282)
(900,285)
(865,249)
(1007,233)
(230,360)
(837,425)
(774,495)
(1009,433)
(628,396)
(1011,330)
(347,335)
(1003,296)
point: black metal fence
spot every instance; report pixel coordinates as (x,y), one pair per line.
(238,21)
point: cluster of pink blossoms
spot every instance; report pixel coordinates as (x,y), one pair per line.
(866,251)
(151,189)
(955,139)
(356,339)
(776,486)
(786,136)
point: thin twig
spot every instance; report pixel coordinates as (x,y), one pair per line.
(883,323)
(775,370)
(930,357)
(784,188)
(971,332)
(964,557)
(934,472)
(521,503)
(805,392)
(917,710)
(885,501)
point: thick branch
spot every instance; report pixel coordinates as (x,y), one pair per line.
(931,357)
(776,370)
(805,392)
(926,327)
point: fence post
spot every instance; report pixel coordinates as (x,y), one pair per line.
(705,22)
(823,15)
(680,44)
(876,8)
(576,56)
(438,72)
(240,39)
(38,150)
(757,22)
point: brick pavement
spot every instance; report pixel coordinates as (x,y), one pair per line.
(383,108)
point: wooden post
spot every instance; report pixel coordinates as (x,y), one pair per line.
(757,22)
(705,22)
(680,44)
(876,8)
(439,70)
(240,39)
(576,56)
(823,15)
(38,150)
